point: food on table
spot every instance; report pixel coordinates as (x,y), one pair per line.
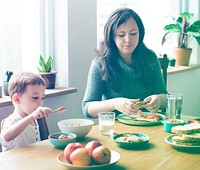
(188,134)
(90,146)
(131,138)
(70,148)
(101,155)
(93,153)
(186,129)
(190,138)
(61,137)
(64,137)
(174,121)
(80,157)
(149,117)
(73,124)
(141,104)
(194,120)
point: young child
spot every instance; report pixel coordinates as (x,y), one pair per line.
(27,91)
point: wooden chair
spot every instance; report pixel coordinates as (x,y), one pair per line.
(44,131)
(164,61)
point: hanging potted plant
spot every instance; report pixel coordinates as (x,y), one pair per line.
(45,70)
(6,82)
(185,31)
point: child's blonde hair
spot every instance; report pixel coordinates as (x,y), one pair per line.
(20,81)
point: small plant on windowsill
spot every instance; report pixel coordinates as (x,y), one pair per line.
(8,75)
(6,82)
(45,70)
(185,31)
(45,66)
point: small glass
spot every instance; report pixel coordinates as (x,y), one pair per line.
(106,122)
(174,105)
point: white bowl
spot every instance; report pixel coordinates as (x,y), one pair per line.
(81,127)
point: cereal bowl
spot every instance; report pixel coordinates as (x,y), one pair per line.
(81,127)
(61,139)
(169,123)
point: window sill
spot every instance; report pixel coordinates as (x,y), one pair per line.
(177,69)
(6,101)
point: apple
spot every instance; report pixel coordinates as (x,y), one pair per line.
(90,146)
(70,148)
(101,155)
(80,157)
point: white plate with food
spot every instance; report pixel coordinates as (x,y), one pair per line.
(115,156)
(145,120)
(178,144)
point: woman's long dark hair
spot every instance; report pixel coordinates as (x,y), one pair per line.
(108,51)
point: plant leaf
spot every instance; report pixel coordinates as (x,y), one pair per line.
(45,66)
(195,27)
(172,28)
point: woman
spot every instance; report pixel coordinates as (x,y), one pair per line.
(125,70)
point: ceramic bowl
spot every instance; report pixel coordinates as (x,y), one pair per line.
(132,145)
(81,127)
(61,142)
(169,123)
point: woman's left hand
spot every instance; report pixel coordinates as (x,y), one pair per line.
(153,103)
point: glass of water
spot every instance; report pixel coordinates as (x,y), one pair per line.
(106,122)
(174,105)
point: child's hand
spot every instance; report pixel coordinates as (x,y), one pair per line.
(41,112)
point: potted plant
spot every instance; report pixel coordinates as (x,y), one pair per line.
(6,82)
(185,31)
(45,70)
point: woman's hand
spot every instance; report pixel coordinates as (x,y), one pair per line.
(125,105)
(154,103)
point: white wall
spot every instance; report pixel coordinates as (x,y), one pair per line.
(188,83)
(75,47)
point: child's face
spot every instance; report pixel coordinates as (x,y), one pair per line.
(32,98)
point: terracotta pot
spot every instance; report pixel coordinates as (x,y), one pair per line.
(50,79)
(182,56)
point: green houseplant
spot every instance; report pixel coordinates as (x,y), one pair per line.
(185,31)
(45,70)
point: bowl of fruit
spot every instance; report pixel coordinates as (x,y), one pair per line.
(60,139)
(92,155)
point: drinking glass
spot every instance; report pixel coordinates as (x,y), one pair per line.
(106,122)
(174,105)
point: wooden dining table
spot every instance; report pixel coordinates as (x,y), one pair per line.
(156,155)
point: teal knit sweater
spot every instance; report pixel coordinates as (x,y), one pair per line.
(131,84)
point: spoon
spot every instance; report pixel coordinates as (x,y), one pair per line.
(60,109)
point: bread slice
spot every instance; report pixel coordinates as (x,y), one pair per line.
(186,129)
(194,137)
(187,139)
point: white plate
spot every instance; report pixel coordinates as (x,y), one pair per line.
(115,156)
(126,119)
(180,145)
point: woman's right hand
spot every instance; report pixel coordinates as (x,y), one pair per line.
(126,105)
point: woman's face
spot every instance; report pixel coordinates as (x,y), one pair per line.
(126,39)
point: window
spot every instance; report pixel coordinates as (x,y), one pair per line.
(155,14)
(19,32)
